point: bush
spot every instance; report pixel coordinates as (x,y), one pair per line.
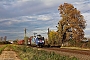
(4,42)
(88,44)
(72,43)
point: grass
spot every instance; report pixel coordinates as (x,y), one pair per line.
(2,48)
(28,53)
(78,48)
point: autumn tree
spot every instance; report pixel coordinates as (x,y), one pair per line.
(72,23)
(53,38)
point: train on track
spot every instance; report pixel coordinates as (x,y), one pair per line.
(38,41)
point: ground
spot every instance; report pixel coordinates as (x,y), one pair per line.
(82,54)
(8,55)
(79,53)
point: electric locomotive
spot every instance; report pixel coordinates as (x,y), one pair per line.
(38,41)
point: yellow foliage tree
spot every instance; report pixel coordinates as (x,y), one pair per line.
(53,38)
(72,23)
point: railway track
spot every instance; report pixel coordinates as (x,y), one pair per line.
(76,51)
(83,52)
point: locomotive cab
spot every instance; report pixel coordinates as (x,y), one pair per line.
(40,41)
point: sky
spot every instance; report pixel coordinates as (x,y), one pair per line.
(36,16)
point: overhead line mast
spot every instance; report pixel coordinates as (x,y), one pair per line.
(25,32)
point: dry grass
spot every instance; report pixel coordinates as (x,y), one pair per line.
(76,48)
(1,46)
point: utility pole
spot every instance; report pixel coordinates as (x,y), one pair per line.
(25,37)
(48,33)
(25,32)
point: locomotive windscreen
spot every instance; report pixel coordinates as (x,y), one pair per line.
(42,38)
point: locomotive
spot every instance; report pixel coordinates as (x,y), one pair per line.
(38,41)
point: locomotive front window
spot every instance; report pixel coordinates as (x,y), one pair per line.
(40,39)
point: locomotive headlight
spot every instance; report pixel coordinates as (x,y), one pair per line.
(42,41)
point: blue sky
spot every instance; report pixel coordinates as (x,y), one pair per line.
(36,16)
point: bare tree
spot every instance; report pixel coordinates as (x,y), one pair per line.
(5,38)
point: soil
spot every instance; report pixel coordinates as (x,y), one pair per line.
(1,46)
(8,54)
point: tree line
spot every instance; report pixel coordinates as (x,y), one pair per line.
(3,38)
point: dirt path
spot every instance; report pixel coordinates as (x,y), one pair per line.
(1,46)
(8,55)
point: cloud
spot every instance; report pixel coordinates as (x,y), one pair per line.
(15,15)
(82,5)
(3,30)
(86,17)
(17,8)
(43,17)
